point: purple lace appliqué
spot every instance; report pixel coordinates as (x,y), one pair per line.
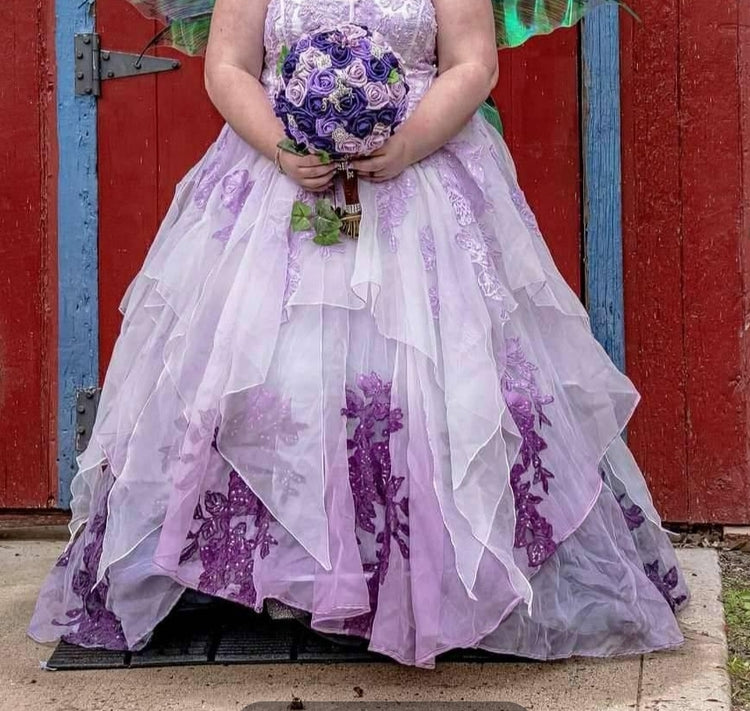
(64,559)
(223,544)
(207,181)
(633,514)
(464,195)
(374,487)
(527,215)
(96,625)
(522,395)
(392,199)
(223,234)
(235,188)
(487,278)
(427,247)
(665,584)
(434,302)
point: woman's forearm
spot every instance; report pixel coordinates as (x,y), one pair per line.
(447,107)
(242,101)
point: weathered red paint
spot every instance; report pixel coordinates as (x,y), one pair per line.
(28,277)
(686,275)
(538,98)
(151,130)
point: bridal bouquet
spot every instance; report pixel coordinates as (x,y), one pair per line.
(342,93)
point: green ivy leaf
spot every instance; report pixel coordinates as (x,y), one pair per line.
(325,157)
(288,145)
(327,223)
(301,214)
(394,77)
(282,56)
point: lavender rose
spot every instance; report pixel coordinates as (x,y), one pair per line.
(295,91)
(321,82)
(378,95)
(355,74)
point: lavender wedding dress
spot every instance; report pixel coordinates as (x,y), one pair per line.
(413,437)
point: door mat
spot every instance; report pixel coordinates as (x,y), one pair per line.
(220,632)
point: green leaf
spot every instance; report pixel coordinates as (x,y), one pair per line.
(301,216)
(282,56)
(327,223)
(394,77)
(288,145)
(325,157)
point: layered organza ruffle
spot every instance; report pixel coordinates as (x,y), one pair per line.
(414,437)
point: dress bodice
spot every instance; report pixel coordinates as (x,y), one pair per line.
(409,27)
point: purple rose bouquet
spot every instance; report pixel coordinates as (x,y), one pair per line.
(342,94)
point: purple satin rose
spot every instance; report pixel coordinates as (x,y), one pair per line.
(317,106)
(309,59)
(398,91)
(295,91)
(341,55)
(391,60)
(321,82)
(327,125)
(387,116)
(355,74)
(361,48)
(321,40)
(346,144)
(372,143)
(377,70)
(362,125)
(377,95)
(293,130)
(289,65)
(305,124)
(352,104)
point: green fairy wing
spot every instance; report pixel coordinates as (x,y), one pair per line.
(518,20)
(186,22)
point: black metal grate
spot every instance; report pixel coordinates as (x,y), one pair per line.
(218,632)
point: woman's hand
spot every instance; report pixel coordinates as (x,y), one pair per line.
(387,162)
(307,171)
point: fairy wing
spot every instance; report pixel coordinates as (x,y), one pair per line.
(518,20)
(186,21)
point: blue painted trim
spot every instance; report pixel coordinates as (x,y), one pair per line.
(78,326)
(603,272)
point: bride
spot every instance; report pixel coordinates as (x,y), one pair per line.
(411,437)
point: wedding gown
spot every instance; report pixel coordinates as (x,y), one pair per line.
(414,437)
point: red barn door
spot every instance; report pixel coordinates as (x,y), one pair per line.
(151,130)
(28,276)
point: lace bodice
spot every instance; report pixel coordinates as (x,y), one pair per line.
(409,26)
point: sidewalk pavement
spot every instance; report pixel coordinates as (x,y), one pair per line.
(691,679)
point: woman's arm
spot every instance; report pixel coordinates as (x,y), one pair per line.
(467,73)
(234,62)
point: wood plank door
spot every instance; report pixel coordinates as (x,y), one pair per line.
(151,130)
(28,284)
